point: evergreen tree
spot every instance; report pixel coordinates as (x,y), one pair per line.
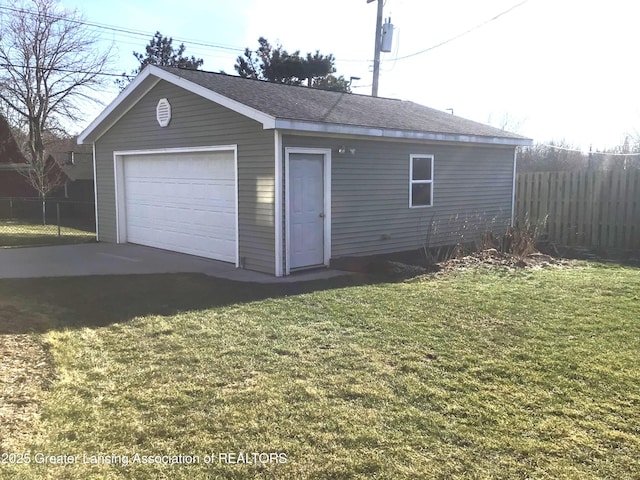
(160,51)
(275,64)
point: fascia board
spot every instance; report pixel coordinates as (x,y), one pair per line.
(331,128)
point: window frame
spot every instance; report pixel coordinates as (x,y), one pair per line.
(413,182)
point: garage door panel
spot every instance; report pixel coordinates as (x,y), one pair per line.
(204,220)
(197,245)
(153,194)
(182,202)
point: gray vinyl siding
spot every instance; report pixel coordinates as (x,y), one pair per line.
(198,122)
(370,211)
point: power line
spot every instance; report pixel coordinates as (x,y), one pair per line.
(575,150)
(61,70)
(463,33)
(137,33)
(193,42)
(122,32)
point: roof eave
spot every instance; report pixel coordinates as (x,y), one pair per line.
(341,129)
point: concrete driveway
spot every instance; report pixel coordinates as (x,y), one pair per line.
(127,259)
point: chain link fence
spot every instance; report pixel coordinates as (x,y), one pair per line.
(32,221)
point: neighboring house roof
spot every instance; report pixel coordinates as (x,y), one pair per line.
(9,152)
(76,160)
(81,168)
(307,109)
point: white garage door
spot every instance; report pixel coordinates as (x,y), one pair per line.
(183,202)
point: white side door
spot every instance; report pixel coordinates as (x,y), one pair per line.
(306,210)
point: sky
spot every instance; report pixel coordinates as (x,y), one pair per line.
(549,69)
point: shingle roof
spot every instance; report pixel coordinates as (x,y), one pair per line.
(303,109)
(82,167)
(321,106)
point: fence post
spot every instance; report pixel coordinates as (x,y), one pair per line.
(58,216)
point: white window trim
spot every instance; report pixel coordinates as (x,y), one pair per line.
(412,181)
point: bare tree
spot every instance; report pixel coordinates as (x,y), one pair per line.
(551,156)
(49,64)
(507,122)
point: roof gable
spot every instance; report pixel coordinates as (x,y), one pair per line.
(296,108)
(10,154)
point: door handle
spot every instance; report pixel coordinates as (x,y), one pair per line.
(322,215)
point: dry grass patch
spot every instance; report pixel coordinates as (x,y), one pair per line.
(27,373)
(14,233)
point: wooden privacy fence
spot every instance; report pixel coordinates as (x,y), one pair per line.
(599,209)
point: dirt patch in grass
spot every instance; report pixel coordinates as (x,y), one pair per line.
(414,266)
(15,320)
(27,372)
(494,258)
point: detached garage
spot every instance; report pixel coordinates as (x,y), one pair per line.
(278,178)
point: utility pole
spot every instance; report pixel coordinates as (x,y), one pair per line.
(376,55)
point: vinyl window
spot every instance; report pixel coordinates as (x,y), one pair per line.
(420,181)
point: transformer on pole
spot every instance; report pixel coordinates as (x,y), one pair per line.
(386,36)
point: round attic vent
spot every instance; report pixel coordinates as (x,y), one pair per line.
(163,112)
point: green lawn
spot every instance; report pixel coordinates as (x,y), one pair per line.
(18,233)
(480,374)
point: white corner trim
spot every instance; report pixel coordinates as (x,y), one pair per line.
(513,186)
(120,204)
(327,207)
(236,199)
(326,152)
(278,213)
(95,192)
